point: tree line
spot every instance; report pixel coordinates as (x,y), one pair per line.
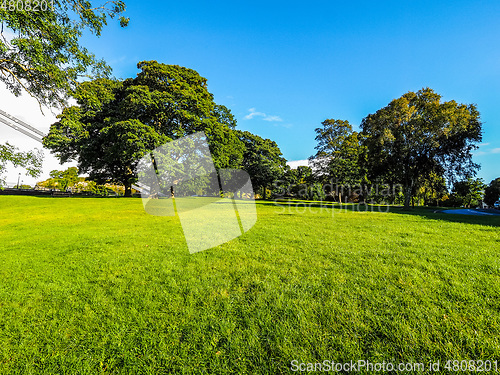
(418,148)
(117,122)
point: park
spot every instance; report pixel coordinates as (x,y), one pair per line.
(181,235)
(120,292)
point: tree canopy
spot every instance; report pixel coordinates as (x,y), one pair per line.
(40,51)
(339,150)
(468,192)
(117,122)
(416,135)
(492,192)
(262,160)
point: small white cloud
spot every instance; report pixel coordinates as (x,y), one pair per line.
(488,151)
(483,144)
(272,118)
(253,113)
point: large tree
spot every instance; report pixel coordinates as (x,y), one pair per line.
(115,123)
(40,51)
(262,159)
(416,135)
(339,150)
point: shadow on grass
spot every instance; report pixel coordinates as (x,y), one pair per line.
(433,213)
(85,196)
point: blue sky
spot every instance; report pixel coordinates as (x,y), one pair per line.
(284,67)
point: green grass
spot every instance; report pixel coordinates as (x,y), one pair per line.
(98,286)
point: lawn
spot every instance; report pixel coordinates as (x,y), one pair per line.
(95,285)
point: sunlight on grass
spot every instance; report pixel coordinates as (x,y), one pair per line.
(92,285)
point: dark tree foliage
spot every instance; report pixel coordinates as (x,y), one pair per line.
(492,192)
(117,122)
(416,135)
(468,192)
(262,159)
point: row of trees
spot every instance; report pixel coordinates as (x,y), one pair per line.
(115,123)
(416,149)
(417,142)
(69,180)
(301,183)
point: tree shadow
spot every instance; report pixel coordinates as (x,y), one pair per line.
(432,213)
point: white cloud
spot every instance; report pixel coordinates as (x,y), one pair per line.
(272,118)
(487,152)
(297,163)
(253,113)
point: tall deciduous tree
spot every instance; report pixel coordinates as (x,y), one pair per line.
(416,135)
(117,122)
(262,159)
(40,50)
(337,159)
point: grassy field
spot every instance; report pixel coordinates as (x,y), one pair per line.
(91,285)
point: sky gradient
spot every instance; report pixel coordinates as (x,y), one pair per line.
(284,67)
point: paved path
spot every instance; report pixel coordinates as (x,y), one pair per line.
(468,211)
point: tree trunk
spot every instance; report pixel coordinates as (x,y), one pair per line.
(128,189)
(407,196)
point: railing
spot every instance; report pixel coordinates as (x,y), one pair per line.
(32,192)
(21,126)
(57,193)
